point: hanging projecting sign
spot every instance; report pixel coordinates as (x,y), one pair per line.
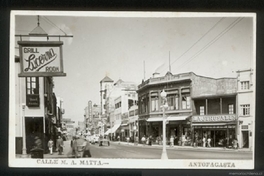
(41,58)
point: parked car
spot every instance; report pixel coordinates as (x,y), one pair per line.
(104,141)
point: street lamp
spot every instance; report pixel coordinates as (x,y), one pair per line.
(134,130)
(24,149)
(163,95)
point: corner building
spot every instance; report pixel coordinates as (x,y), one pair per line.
(214,110)
(197,105)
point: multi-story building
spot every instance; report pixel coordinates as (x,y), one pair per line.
(91,118)
(246,111)
(187,94)
(214,110)
(133,121)
(36,103)
(37,114)
(105,85)
(120,98)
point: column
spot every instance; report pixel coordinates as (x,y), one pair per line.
(180,99)
(206,106)
(221,106)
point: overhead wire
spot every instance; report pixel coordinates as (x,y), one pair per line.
(51,23)
(212,41)
(197,41)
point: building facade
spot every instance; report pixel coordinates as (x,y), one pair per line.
(246,111)
(178,113)
(36,103)
(197,106)
(105,85)
(120,98)
(214,110)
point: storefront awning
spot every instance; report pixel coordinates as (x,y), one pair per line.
(155,119)
(114,128)
(108,131)
(214,124)
(177,118)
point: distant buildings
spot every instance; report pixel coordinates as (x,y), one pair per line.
(198,107)
(120,97)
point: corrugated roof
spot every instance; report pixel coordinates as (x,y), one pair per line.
(106,79)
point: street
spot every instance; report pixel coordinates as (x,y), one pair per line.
(130,151)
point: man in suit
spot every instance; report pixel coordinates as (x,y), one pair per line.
(59,145)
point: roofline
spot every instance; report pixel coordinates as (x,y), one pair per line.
(245,70)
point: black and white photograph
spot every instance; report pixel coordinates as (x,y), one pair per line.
(155,90)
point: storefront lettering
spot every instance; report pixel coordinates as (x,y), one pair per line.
(222,118)
(35,63)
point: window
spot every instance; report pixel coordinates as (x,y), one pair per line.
(118,105)
(244,85)
(154,102)
(173,102)
(173,99)
(130,103)
(231,109)
(32,91)
(201,110)
(245,109)
(32,85)
(186,99)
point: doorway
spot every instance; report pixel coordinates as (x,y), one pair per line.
(245,142)
(34,128)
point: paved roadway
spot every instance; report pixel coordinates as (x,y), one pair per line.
(131,151)
(116,150)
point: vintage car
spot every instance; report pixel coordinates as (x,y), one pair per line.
(104,141)
(94,139)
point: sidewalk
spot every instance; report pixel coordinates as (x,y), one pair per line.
(65,154)
(184,147)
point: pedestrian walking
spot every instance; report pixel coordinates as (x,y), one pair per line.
(87,150)
(235,143)
(118,138)
(204,141)
(50,145)
(209,142)
(171,141)
(143,140)
(60,145)
(150,140)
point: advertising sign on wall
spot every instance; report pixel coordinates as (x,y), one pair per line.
(41,58)
(214,118)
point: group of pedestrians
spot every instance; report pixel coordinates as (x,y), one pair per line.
(147,140)
(80,147)
(59,145)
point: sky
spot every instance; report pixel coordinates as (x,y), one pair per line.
(119,46)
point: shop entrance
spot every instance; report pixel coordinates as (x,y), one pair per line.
(245,136)
(219,137)
(34,129)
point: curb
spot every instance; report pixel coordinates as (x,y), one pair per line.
(185,147)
